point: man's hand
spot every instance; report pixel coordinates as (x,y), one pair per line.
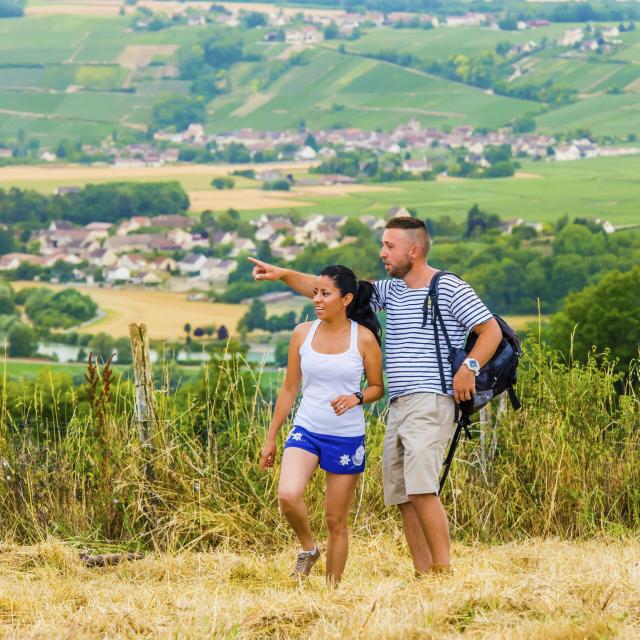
(265,271)
(342,404)
(464,384)
(268,454)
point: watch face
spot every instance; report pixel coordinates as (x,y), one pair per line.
(474,363)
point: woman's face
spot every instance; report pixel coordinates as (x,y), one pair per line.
(328,300)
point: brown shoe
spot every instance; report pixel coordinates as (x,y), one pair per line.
(304,562)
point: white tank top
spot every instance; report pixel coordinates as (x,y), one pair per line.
(324,377)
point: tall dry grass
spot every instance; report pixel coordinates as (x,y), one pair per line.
(551,589)
(567,465)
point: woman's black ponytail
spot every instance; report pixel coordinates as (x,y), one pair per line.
(359,309)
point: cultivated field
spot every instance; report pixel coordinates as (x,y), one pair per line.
(537,589)
(164,313)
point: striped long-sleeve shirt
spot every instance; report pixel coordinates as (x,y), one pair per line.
(411,359)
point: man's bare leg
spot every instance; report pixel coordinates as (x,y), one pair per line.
(416,540)
(435,527)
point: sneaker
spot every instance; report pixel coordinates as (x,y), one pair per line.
(304,562)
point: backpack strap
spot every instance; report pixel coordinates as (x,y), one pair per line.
(430,305)
(515,401)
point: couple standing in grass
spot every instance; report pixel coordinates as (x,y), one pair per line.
(329,356)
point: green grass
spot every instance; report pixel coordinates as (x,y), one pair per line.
(604,187)
(602,115)
(445,42)
(345,90)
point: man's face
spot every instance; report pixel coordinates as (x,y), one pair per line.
(396,252)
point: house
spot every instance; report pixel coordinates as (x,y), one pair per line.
(63,191)
(171,221)
(466,20)
(180,237)
(306,35)
(196,21)
(288,253)
(399,212)
(240,245)
(132,261)
(415,166)
(59,225)
(147,279)
(102,258)
(217,270)
(98,226)
(162,263)
(589,45)
(6,153)
(567,152)
(191,264)
(118,275)
(133,224)
(132,242)
(306,153)
(571,37)
(61,256)
(373,222)
(610,32)
(223,237)
(11,261)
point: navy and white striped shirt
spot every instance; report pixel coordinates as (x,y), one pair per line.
(411,358)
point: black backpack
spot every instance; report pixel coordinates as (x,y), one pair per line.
(496,376)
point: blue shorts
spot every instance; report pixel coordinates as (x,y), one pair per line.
(336,453)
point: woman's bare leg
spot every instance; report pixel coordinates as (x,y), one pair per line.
(297,468)
(339,494)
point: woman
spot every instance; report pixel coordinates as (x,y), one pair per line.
(329,356)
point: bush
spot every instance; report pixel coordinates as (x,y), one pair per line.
(277,185)
(222,183)
(22,340)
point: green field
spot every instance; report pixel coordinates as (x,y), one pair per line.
(603,187)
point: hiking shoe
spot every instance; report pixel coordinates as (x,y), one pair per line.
(304,562)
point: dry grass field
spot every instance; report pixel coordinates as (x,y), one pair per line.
(242,199)
(539,589)
(164,313)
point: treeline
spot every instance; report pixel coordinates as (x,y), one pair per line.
(487,70)
(12,8)
(94,203)
(511,273)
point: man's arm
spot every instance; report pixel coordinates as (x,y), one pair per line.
(489,337)
(301,283)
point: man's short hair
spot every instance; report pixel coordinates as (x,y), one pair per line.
(417,229)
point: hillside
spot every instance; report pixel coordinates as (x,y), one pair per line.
(87,75)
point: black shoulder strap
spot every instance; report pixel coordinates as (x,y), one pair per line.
(430,305)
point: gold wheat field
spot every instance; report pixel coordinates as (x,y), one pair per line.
(537,589)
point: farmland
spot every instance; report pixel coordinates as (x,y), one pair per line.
(79,71)
(601,187)
(164,313)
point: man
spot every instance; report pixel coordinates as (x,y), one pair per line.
(421,417)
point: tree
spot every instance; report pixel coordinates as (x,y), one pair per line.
(603,315)
(256,316)
(22,340)
(176,111)
(7,244)
(253,20)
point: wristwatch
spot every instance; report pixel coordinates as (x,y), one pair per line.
(472,365)
(358,394)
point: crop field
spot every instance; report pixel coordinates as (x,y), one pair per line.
(164,313)
(335,89)
(602,187)
(441,43)
(535,589)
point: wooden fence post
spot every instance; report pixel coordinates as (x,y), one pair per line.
(143,377)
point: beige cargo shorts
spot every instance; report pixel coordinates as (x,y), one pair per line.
(419,428)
